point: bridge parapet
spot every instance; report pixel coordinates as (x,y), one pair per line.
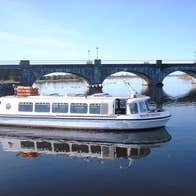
(96,62)
(10,62)
(178,62)
(128,61)
(60,62)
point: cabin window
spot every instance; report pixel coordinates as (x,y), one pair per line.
(98,108)
(121,152)
(106,152)
(42,107)
(44,146)
(95,108)
(78,108)
(142,107)
(134,152)
(95,149)
(133,108)
(27,144)
(25,107)
(61,147)
(104,108)
(80,148)
(60,107)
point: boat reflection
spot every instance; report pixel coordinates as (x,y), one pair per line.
(82,144)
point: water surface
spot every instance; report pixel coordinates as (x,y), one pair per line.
(154,162)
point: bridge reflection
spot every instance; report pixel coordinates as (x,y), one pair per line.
(158,95)
(102,145)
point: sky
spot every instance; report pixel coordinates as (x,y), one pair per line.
(122,29)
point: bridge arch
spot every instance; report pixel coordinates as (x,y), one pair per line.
(29,76)
(145,79)
(178,84)
(60,83)
(116,83)
(56,74)
(189,72)
(9,76)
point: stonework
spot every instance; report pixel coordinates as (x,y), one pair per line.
(152,74)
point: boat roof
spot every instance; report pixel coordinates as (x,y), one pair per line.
(76,97)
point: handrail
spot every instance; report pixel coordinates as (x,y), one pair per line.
(9,62)
(34,62)
(128,61)
(178,61)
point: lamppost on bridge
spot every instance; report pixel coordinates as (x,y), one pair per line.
(89,59)
(89,55)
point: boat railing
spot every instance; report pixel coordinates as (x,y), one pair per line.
(101,95)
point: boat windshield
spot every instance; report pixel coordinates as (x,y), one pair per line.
(147,105)
(144,106)
(133,108)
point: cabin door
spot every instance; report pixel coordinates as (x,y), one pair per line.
(120,106)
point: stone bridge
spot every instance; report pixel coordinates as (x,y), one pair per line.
(152,73)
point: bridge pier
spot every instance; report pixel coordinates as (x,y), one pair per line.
(155,84)
(156,93)
(93,90)
(6,89)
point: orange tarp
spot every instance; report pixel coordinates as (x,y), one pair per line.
(26,91)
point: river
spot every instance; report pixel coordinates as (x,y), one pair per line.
(154,162)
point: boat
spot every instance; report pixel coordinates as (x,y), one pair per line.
(99,111)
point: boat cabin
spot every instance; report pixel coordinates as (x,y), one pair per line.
(74,106)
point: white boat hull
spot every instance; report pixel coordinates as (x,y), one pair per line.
(84,123)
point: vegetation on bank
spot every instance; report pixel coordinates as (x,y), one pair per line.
(60,78)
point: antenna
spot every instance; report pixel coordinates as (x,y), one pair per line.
(89,55)
(97,48)
(130,163)
(132,91)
